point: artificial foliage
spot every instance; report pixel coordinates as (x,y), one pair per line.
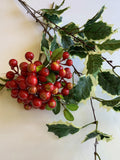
(87,42)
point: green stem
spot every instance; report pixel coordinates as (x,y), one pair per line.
(95,122)
(98,156)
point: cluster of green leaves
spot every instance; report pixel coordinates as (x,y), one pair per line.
(87,42)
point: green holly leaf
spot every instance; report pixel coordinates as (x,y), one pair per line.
(1,86)
(70,28)
(68,115)
(44,42)
(94,64)
(90,46)
(51,77)
(57,54)
(38,68)
(97,31)
(110,104)
(111,45)
(58,6)
(62,129)
(56,110)
(54,11)
(77,50)
(54,44)
(72,107)
(96,17)
(66,41)
(109,82)
(47,53)
(55,19)
(82,90)
(99,135)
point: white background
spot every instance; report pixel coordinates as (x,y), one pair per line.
(23,134)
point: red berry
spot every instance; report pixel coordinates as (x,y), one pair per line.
(32,90)
(42,107)
(58,84)
(30,97)
(19,79)
(50,53)
(7,84)
(31,73)
(68,76)
(19,100)
(62,72)
(36,103)
(55,90)
(23,66)
(49,87)
(31,67)
(14,92)
(38,63)
(67,70)
(29,56)
(65,91)
(55,66)
(45,95)
(10,75)
(23,94)
(42,78)
(22,85)
(52,103)
(13,84)
(39,88)
(69,85)
(27,106)
(69,62)
(31,81)
(44,72)
(65,55)
(13,63)
(23,73)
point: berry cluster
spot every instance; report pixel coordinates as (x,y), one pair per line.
(30,85)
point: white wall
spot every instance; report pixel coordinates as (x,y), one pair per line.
(23,134)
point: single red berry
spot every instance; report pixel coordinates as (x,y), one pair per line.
(29,56)
(50,53)
(55,90)
(30,97)
(58,84)
(42,107)
(45,95)
(23,66)
(27,106)
(42,78)
(38,63)
(44,71)
(19,79)
(31,81)
(65,55)
(22,85)
(19,100)
(65,91)
(39,88)
(68,76)
(49,87)
(69,62)
(7,84)
(69,85)
(67,70)
(14,92)
(32,90)
(55,66)
(13,84)
(36,102)
(31,67)
(62,72)
(61,67)
(52,103)
(23,73)
(10,75)
(13,63)
(23,94)
(58,61)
